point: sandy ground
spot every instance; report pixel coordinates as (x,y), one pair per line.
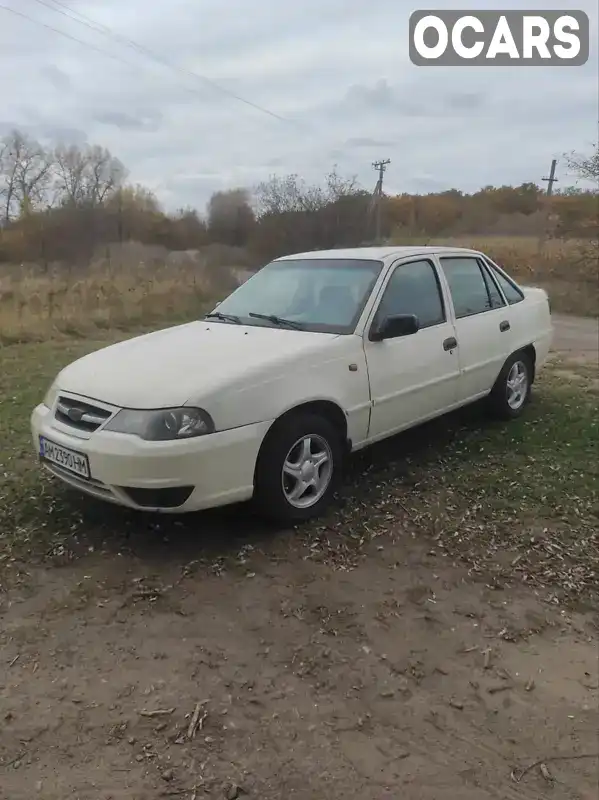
(233,661)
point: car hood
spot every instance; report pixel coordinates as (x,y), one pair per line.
(171,367)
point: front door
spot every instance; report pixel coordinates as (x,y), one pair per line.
(415,377)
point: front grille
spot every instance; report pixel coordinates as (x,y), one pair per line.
(80,415)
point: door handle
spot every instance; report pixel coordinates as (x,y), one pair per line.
(450,344)
(504,326)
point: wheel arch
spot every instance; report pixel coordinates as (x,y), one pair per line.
(328,409)
(531,352)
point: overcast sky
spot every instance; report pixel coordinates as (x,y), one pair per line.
(338,72)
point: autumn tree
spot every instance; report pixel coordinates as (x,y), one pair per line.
(231,217)
(288,194)
(294,215)
(62,204)
(187,230)
(583,225)
(431,215)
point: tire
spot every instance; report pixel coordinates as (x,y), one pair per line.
(284,444)
(505,401)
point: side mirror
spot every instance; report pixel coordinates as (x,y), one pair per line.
(393,327)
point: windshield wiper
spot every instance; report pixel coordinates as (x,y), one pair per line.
(223,317)
(281,321)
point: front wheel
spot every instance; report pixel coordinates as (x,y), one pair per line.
(512,389)
(298,468)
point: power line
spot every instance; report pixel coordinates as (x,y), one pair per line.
(66,35)
(107,32)
(130,43)
(87,21)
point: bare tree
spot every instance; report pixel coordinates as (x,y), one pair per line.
(276,195)
(292,194)
(5,180)
(26,170)
(87,176)
(585,229)
(585,166)
(294,215)
(287,194)
(107,174)
(11,146)
(70,179)
(338,187)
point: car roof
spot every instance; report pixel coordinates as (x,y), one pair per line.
(377,253)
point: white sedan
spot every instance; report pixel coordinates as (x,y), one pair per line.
(316,355)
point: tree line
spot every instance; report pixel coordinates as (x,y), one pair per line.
(63,204)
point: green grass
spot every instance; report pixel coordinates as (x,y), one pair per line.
(512,501)
(32,511)
(516,500)
(542,464)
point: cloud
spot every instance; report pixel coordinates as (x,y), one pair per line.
(59,79)
(59,135)
(464,101)
(336,76)
(365,141)
(142,121)
(379,96)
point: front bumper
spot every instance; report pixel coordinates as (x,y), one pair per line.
(176,477)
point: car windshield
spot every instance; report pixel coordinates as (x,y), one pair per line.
(312,294)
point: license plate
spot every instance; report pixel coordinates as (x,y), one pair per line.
(71,460)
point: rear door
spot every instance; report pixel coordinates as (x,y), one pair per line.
(412,378)
(520,313)
(482,323)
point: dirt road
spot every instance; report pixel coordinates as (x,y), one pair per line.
(576,338)
(399,678)
(222,660)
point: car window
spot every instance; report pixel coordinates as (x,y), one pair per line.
(494,293)
(318,295)
(472,289)
(511,292)
(414,289)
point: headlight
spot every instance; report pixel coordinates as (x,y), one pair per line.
(162,425)
(51,396)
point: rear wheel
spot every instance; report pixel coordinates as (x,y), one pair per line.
(298,468)
(512,389)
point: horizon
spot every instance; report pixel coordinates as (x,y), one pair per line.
(194,101)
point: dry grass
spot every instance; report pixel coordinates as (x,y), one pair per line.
(567,269)
(35,307)
(520,255)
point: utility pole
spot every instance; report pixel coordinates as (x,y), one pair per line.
(549,181)
(380,166)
